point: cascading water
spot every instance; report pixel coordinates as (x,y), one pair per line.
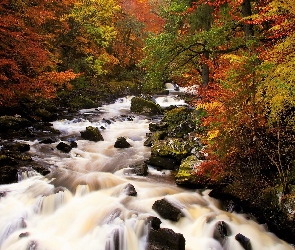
(83,204)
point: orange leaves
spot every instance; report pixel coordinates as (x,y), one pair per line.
(27,67)
(143,11)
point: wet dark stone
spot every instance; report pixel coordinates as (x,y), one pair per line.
(140,169)
(121,142)
(165,239)
(22,235)
(221,231)
(130,190)
(48,141)
(66,148)
(6,159)
(244,241)
(41,170)
(163,162)
(73,144)
(154,222)
(20,147)
(167,210)
(8,174)
(106,121)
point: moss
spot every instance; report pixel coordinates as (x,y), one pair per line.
(187,176)
(92,134)
(181,121)
(172,147)
(187,165)
(145,107)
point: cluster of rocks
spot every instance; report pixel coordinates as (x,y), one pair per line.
(173,142)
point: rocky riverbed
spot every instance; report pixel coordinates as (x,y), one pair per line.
(174,147)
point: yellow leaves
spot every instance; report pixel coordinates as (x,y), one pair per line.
(282,5)
(210,105)
(277,90)
(232,58)
(212,134)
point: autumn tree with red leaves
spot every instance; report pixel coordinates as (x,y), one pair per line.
(28,66)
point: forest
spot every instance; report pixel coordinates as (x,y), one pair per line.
(240,54)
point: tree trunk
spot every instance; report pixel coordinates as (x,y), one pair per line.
(246,11)
(205,70)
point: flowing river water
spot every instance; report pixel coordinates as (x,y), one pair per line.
(83,202)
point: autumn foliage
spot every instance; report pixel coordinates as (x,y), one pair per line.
(28,65)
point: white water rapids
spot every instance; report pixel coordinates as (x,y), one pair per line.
(82,204)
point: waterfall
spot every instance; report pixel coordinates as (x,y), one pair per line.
(83,203)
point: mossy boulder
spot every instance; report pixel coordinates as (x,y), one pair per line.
(181,121)
(172,147)
(92,134)
(161,126)
(156,136)
(145,107)
(186,174)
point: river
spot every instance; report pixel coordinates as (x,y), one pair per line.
(83,202)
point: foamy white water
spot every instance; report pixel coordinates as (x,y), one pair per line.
(83,204)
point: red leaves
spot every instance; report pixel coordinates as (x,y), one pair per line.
(27,67)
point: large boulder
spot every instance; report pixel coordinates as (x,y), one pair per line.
(130,190)
(92,134)
(121,142)
(176,148)
(140,169)
(153,222)
(165,238)
(180,120)
(186,175)
(145,107)
(64,147)
(160,162)
(244,241)
(221,232)
(167,210)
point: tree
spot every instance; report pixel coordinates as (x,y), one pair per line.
(27,67)
(252,119)
(84,44)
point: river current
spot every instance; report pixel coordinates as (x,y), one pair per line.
(83,202)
